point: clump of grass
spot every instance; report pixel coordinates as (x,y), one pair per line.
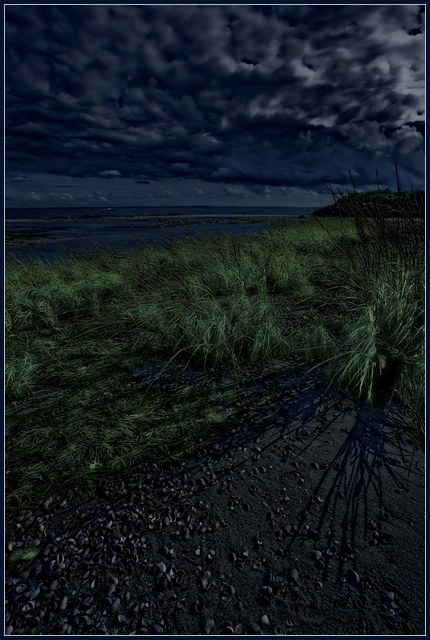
(379,349)
(382,292)
(24,554)
(19,374)
(40,295)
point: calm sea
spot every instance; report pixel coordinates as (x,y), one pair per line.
(77,213)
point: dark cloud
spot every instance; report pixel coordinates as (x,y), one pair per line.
(288,95)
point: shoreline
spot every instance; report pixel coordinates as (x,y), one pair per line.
(107,234)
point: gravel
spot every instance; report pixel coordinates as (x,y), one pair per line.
(306,520)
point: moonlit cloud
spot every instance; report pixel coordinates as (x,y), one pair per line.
(111,173)
(212,101)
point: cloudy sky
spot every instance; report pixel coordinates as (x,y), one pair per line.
(211,105)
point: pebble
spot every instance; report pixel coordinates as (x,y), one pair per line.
(361,600)
(253,628)
(114,606)
(352,577)
(389,596)
(387,538)
(228,628)
(208,625)
(293,576)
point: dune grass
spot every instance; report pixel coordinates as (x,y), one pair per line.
(380,283)
(78,327)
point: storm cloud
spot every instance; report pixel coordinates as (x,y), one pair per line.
(235,99)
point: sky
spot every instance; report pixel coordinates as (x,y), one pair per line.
(219,105)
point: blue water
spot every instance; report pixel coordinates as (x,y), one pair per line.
(77,213)
(84,229)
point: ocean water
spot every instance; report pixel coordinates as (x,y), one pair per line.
(78,213)
(71,231)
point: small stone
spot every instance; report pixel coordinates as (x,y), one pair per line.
(114,606)
(206,580)
(361,600)
(387,538)
(268,578)
(352,577)
(232,557)
(198,605)
(293,576)
(265,620)
(253,628)
(46,504)
(208,625)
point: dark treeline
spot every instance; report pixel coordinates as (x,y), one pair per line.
(384,202)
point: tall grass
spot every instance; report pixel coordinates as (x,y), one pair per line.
(381,285)
(80,326)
